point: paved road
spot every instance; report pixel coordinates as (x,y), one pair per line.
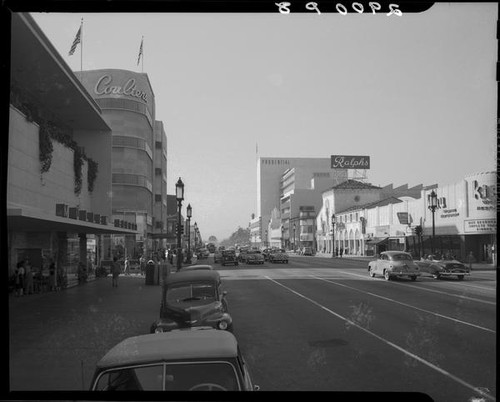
(314,324)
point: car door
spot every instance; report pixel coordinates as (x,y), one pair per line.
(381,263)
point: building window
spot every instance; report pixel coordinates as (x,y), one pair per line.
(158,144)
(158,171)
(157,197)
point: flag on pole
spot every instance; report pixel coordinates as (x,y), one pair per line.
(76,41)
(140,52)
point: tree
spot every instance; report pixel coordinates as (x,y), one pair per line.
(212,239)
(240,237)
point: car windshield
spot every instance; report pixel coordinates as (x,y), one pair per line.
(401,257)
(209,376)
(179,293)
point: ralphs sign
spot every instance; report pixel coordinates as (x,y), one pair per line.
(350,162)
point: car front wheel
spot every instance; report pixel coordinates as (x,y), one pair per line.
(460,277)
(370,270)
(387,276)
(414,278)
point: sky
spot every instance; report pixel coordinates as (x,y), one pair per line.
(416,93)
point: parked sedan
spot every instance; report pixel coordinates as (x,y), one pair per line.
(218,256)
(181,360)
(192,299)
(278,256)
(254,257)
(392,264)
(438,267)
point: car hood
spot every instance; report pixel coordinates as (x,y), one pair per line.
(191,314)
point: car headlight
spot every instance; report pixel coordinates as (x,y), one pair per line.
(222,325)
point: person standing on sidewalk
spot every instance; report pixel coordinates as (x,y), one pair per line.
(29,278)
(115,272)
(20,279)
(127,266)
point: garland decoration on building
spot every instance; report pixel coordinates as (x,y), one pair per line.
(48,131)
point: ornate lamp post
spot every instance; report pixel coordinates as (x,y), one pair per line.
(189,214)
(282,235)
(333,235)
(179,195)
(432,199)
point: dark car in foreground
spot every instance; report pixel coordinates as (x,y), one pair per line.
(181,360)
(193,298)
(394,264)
(439,267)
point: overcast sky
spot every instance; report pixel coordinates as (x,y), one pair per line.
(416,93)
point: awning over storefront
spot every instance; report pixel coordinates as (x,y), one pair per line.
(26,220)
(377,241)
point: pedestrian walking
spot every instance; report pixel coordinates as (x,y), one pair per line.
(341,252)
(20,278)
(28,285)
(471,259)
(127,266)
(52,277)
(115,271)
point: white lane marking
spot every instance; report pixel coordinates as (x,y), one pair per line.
(426,289)
(404,351)
(406,305)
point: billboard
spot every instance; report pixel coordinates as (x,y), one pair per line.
(350,162)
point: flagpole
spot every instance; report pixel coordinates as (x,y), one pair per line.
(81,52)
(142,64)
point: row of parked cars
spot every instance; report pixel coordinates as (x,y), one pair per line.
(190,346)
(398,264)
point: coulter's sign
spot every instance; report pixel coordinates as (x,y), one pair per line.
(350,162)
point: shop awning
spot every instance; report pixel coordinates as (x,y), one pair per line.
(375,241)
(26,220)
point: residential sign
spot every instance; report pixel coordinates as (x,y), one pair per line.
(350,162)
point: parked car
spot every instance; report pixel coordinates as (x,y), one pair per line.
(218,256)
(181,360)
(439,267)
(265,253)
(196,267)
(202,253)
(229,258)
(242,256)
(278,256)
(254,257)
(307,251)
(193,298)
(392,264)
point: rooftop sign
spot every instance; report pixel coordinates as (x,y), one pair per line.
(350,162)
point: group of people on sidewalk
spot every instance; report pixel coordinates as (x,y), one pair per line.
(24,278)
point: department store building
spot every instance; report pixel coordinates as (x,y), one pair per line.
(59,168)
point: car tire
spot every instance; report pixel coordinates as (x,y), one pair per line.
(413,278)
(436,276)
(387,275)
(370,270)
(460,277)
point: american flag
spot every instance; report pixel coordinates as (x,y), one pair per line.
(140,52)
(76,41)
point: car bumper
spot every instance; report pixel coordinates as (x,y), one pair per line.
(402,274)
(447,273)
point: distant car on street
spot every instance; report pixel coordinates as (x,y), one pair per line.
(254,257)
(218,256)
(202,253)
(307,251)
(439,267)
(193,298)
(278,256)
(182,360)
(391,264)
(229,258)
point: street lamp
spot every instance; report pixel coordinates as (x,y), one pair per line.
(189,214)
(179,195)
(333,235)
(266,242)
(294,247)
(432,199)
(282,236)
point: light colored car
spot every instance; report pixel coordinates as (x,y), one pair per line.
(438,267)
(182,360)
(391,264)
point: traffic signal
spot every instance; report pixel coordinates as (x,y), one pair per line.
(418,230)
